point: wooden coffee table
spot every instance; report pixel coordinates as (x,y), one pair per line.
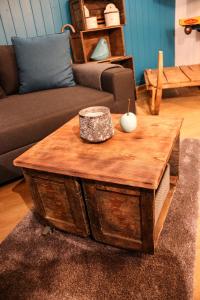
(111,191)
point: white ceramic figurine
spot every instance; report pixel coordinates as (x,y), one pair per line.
(128,121)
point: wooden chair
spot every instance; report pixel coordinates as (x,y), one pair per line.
(168,78)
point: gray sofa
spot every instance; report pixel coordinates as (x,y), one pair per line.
(26,119)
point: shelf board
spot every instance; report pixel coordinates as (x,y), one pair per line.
(101,28)
(115,58)
(111,59)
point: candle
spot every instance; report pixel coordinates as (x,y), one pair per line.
(94,114)
(96,124)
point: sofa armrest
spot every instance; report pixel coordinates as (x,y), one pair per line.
(120,82)
(89,74)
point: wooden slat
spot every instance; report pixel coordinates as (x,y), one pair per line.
(31,18)
(160,70)
(192,72)
(146,78)
(7,21)
(2,34)
(28,18)
(47,15)
(38,17)
(56,13)
(17,16)
(175,75)
(101,29)
(195,67)
(177,85)
(114,58)
(182,76)
(152,77)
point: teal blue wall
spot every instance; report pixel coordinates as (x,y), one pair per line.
(31,17)
(150,26)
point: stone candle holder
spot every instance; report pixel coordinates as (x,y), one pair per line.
(96,124)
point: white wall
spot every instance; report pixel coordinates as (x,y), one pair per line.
(187,47)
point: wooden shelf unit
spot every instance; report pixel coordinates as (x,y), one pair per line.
(96,8)
(83,43)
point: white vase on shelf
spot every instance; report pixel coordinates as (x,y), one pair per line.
(112,17)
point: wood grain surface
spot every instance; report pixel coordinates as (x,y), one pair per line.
(114,214)
(96,8)
(135,159)
(59,200)
(168,78)
(175,76)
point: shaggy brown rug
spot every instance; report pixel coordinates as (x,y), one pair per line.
(62,266)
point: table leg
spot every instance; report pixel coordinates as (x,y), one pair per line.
(147,204)
(158,98)
(152,104)
(155,101)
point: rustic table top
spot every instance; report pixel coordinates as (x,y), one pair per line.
(135,159)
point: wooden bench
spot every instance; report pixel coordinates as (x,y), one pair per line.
(168,78)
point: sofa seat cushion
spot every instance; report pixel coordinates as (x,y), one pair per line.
(27,118)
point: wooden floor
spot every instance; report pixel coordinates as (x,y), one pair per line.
(15,199)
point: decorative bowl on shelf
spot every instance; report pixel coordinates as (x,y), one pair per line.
(96,124)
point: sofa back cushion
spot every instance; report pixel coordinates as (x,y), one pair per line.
(43,62)
(8,70)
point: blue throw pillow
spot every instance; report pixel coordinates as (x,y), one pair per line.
(43,62)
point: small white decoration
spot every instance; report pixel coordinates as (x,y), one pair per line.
(91,22)
(87,13)
(128,122)
(111,13)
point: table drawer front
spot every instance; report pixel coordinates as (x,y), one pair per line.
(114,215)
(59,201)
